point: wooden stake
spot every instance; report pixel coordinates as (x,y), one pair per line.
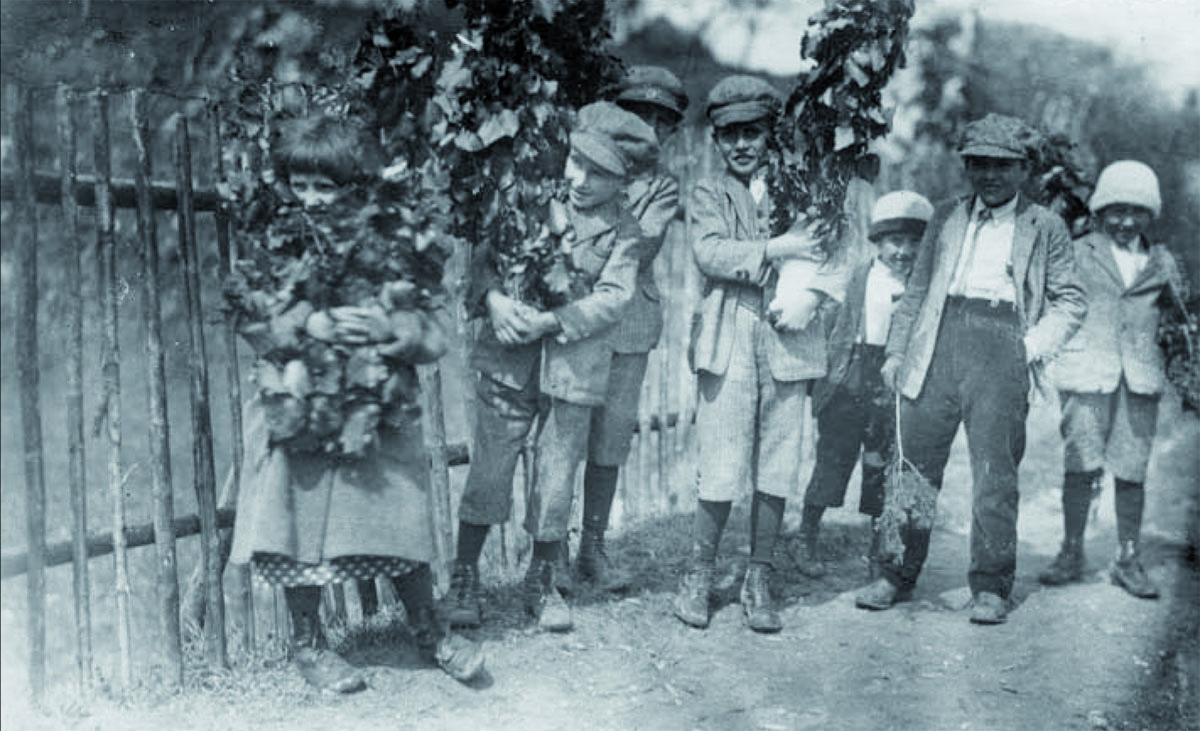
(202,448)
(73,321)
(433,413)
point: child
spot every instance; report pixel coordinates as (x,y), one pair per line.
(337,484)
(753,377)
(853,407)
(552,366)
(1110,374)
(656,95)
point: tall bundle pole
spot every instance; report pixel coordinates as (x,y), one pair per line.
(106,250)
(434,413)
(20,100)
(160,435)
(73,324)
(204,473)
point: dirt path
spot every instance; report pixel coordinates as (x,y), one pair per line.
(1083,657)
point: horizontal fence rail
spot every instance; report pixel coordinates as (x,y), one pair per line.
(47,187)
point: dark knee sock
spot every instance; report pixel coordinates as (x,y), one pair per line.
(1076,499)
(546,550)
(304,606)
(471,537)
(1130,502)
(599,487)
(708,527)
(766,515)
(368,597)
(810,520)
(415,590)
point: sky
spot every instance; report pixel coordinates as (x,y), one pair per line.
(1160,33)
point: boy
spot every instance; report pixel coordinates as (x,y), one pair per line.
(853,407)
(753,378)
(992,294)
(1110,374)
(552,366)
(656,96)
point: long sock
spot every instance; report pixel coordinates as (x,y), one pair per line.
(1130,502)
(599,487)
(471,537)
(810,520)
(708,527)
(546,550)
(1076,499)
(304,605)
(415,591)
(766,515)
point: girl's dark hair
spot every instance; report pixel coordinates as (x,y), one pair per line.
(340,149)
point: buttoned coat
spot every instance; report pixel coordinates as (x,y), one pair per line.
(730,233)
(573,366)
(1049,301)
(654,203)
(847,324)
(1118,335)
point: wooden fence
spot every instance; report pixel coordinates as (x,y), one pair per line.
(183,247)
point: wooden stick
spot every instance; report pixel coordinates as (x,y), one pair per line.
(161,488)
(434,415)
(47,186)
(20,102)
(106,249)
(202,449)
(76,462)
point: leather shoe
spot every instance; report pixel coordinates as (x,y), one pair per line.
(878,595)
(989,608)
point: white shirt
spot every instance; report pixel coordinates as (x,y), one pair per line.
(1130,261)
(984,269)
(883,294)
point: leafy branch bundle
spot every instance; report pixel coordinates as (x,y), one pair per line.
(835,110)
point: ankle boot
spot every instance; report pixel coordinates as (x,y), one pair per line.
(1127,573)
(691,603)
(1076,498)
(805,550)
(595,565)
(756,600)
(541,596)
(321,667)
(1067,566)
(462,605)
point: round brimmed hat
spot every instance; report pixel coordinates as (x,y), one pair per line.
(1130,182)
(737,99)
(997,135)
(900,212)
(653,85)
(613,139)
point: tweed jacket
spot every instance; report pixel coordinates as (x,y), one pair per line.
(654,202)
(1049,300)
(844,328)
(1118,335)
(573,365)
(730,241)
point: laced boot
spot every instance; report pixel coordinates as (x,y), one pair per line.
(323,668)
(1067,566)
(691,603)
(595,565)
(805,550)
(1127,573)
(756,600)
(542,597)
(462,606)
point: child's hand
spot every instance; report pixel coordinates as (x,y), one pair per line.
(361,325)
(510,319)
(541,324)
(890,372)
(800,242)
(793,311)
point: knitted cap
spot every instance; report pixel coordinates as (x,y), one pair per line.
(1127,181)
(613,139)
(900,212)
(738,99)
(653,85)
(997,136)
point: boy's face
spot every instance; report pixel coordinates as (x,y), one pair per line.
(591,186)
(663,120)
(743,146)
(1124,223)
(994,179)
(897,251)
(314,190)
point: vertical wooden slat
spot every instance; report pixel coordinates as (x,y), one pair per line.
(161,487)
(202,438)
(106,250)
(73,348)
(20,104)
(433,413)
(228,254)
(664,380)
(642,488)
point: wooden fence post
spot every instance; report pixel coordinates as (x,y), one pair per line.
(106,253)
(202,447)
(73,320)
(20,101)
(160,435)
(434,414)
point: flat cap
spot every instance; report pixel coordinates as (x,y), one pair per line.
(738,99)
(901,211)
(613,139)
(653,85)
(997,135)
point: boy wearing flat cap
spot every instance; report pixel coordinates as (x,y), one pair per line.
(753,378)
(1110,375)
(656,96)
(992,295)
(854,410)
(551,366)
